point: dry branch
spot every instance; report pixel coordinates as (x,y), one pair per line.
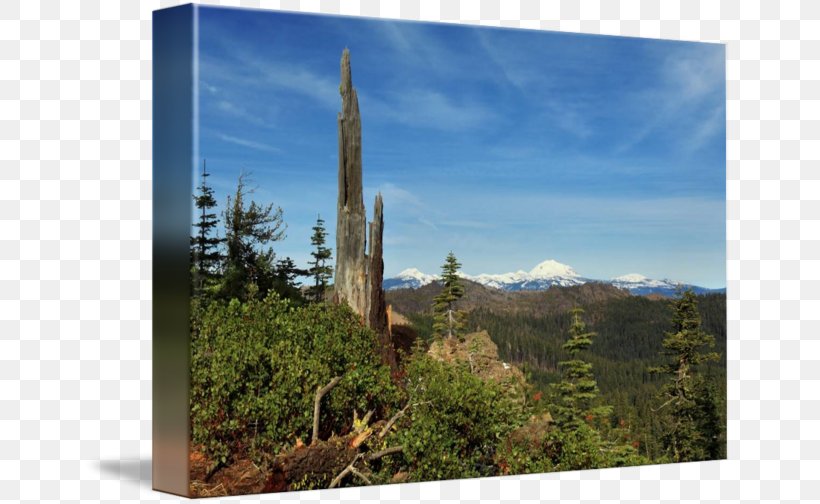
(347,470)
(383,453)
(351,468)
(355,472)
(395,418)
(320,392)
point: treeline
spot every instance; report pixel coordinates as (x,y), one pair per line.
(630,342)
(239,262)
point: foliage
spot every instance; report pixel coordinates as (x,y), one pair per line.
(576,393)
(247,230)
(455,421)
(572,438)
(257,365)
(284,280)
(205,255)
(447,321)
(319,269)
(693,430)
(630,334)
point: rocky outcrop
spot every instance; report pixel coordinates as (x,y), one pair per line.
(479,352)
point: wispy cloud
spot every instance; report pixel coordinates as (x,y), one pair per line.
(419,49)
(208,87)
(570,113)
(300,80)
(430,109)
(250,71)
(229,108)
(689,95)
(402,198)
(248,143)
(520,76)
(707,128)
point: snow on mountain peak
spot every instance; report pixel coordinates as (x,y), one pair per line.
(551,269)
(409,273)
(547,274)
(631,278)
(416,274)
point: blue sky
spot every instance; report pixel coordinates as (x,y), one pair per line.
(507,147)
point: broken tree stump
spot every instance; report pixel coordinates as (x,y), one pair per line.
(351,266)
(378,320)
(359,276)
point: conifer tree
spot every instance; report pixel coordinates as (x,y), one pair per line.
(447,321)
(284,280)
(577,391)
(577,441)
(320,270)
(692,432)
(205,255)
(247,230)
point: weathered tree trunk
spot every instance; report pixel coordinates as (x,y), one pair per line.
(375,277)
(351,266)
(359,277)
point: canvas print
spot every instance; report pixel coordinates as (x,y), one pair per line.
(422,251)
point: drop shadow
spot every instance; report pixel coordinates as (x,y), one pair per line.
(133,471)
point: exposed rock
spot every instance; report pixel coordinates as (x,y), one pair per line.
(481,354)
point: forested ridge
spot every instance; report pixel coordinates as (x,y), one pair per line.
(630,333)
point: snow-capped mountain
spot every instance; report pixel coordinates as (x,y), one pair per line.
(639,284)
(546,274)
(411,278)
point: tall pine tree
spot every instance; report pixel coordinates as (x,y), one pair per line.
(577,391)
(319,269)
(691,430)
(205,255)
(447,321)
(247,230)
(576,410)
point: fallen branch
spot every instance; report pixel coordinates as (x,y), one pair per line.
(320,392)
(347,470)
(383,453)
(356,472)
(395,418)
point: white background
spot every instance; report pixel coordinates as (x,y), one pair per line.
(75,249)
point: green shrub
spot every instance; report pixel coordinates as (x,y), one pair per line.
(543,446)
(256,367)
(455,421)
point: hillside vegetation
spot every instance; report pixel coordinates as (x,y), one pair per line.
(530,328)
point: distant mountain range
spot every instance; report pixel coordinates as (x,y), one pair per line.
(549,273)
